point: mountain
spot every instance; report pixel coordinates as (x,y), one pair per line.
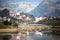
(47,8)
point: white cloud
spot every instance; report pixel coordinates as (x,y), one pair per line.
(21,6)
(27,7)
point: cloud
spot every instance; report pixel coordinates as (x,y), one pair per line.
(27,6)
(21,6)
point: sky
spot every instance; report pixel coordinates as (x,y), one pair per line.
(19,5)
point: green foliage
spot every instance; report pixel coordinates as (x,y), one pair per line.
(45,21)
(23,20)
(4,13)
(3,26)
(32,17)
(15,24)
(7,23)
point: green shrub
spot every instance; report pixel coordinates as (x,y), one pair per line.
(7,23)
(3,26)
(15,25)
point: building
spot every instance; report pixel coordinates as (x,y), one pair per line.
(39,18)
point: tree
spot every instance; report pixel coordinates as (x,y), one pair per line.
(1,13)
(5,12)
(32,17)
(7,23)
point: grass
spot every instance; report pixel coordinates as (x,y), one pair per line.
(4,26)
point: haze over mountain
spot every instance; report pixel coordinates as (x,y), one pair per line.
(47,8)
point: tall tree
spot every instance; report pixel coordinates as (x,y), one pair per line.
(1,13)
(5,12)
(32,17)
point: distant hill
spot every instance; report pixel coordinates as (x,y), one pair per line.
(47,8)
(53,22)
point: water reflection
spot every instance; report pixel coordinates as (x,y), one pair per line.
(38,33)
(33,36)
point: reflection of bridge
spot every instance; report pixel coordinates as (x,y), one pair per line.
(26,32)
(23,32)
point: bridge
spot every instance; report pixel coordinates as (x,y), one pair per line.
(34,27)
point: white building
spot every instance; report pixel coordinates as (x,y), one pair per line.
(39,18)
(28,18)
